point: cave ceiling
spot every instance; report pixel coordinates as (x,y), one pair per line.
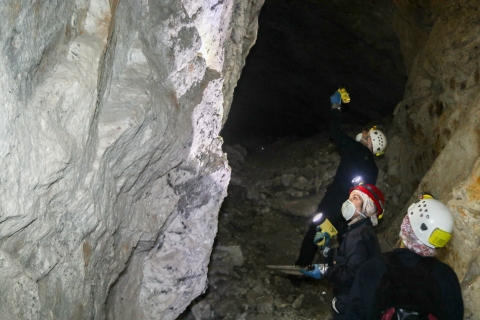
(307,49)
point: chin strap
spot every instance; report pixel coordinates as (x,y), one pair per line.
(365,143)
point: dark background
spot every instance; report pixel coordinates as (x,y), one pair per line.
(304,51)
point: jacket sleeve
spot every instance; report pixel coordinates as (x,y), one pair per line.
(355,308)
(452,294)
(362,293)
(339,137)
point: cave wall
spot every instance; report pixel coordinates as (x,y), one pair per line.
(437,143)
(112,168)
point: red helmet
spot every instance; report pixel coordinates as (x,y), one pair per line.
(373,193)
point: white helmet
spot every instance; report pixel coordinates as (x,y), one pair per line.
(431,222)
(379,141)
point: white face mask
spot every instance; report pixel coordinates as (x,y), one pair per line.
(348,210)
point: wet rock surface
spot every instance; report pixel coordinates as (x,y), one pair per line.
(272,196)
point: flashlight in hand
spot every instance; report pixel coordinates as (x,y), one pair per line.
(344,95)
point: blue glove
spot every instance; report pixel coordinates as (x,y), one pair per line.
(336,98)
(317,272)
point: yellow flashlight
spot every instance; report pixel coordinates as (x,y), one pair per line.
(344,95)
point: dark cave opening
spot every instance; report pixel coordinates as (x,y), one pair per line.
(305,50)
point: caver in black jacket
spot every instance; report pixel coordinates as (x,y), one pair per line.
(356,160)
(362,294)
(360,244)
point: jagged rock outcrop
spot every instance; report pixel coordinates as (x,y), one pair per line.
(438,142)
(112,168)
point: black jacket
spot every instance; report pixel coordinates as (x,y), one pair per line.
(359,245)
(362,294)
(355,160)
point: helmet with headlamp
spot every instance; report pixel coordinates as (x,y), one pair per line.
(379,140)
(431,221)
(373,193)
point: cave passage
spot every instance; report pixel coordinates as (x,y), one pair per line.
(305,50)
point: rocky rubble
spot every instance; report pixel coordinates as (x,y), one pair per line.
(272,195)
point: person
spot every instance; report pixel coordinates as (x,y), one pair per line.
(357,160)
(427,226)
(365,203)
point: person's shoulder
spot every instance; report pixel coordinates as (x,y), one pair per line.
(362,153)
(366,227)
(443,270)
(353,144)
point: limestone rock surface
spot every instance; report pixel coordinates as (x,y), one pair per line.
(112,165)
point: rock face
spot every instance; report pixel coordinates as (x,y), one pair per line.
(112,168)
(438,143)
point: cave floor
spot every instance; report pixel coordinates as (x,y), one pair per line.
(254,218)
(273,238)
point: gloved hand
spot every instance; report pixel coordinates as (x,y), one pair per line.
(326,252)
(319,236)
(336,99)
(315,271)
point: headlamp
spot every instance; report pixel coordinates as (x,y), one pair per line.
(317,217)
(357,181)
